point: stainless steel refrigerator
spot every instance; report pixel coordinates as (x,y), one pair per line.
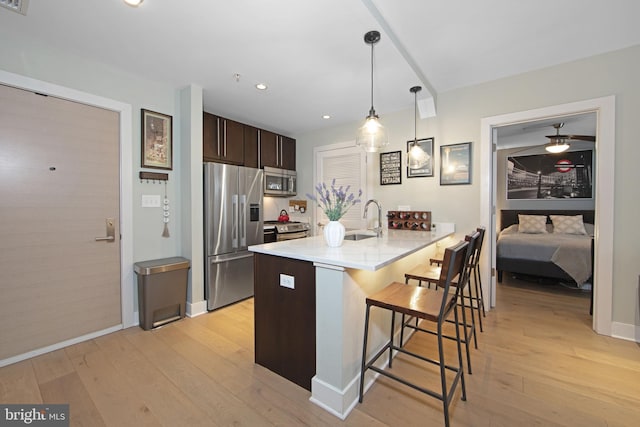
(232,222)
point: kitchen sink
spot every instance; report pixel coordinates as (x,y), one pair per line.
(358,236)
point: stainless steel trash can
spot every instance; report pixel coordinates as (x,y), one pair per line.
(162,290)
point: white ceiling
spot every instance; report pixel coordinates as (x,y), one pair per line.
(312,55)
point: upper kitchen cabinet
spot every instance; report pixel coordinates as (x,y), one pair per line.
(222,139)
(277,151)
(250,146)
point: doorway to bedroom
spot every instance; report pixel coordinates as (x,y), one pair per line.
(603,109)
(549,186)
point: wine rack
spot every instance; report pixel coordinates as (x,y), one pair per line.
(409,220)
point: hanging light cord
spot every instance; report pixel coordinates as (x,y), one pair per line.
(372,112)
(415,117)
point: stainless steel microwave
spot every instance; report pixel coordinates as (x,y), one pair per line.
(279,182)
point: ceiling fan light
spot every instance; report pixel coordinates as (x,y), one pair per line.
(133,3)
(557,147)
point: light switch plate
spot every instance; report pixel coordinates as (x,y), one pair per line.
(287,281)
(150,200)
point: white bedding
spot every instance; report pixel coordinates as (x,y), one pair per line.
(570,252)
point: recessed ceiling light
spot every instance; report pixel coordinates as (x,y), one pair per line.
(134,3)
(326,116)
(261,86)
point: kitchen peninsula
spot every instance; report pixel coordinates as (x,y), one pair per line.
(310,305)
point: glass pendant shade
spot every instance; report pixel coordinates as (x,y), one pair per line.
(416,157)
(372,135)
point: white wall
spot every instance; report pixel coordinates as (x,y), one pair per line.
(33,60)
(458,120)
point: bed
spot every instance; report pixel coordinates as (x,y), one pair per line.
(567,257)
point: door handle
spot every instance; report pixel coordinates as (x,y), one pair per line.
(243,220)
(111,232)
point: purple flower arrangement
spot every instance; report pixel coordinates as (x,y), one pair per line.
(335,202)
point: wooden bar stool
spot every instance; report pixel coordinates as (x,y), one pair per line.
(477,278)
(477,299)
(429,305)
(431,274)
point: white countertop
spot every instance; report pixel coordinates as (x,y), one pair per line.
(368,254)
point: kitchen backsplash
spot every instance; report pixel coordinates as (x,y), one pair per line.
(273,206)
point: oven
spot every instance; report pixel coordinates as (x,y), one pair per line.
(275,231)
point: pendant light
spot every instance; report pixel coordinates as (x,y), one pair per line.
(557,144)
(416,156)
(372,135)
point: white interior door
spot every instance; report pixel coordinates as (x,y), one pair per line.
(59,183)
(347,165)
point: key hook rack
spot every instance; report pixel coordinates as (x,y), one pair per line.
(154,176)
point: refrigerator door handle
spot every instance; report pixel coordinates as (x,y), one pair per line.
(234,221)
(243,220)
(226,258)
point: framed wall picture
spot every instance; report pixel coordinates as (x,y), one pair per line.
(567,175)
(455,164)
(390,168)
(424,151)
(157,150)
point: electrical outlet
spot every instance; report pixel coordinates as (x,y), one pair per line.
(287,281)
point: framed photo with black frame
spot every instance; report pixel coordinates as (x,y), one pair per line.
(424,149)
(157,138)
(455,164)
(390,168)
(563,176)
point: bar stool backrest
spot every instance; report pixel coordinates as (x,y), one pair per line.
(453,265)
(475,258)
(472,253)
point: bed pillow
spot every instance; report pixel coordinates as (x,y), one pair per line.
(532,224)
(565,224)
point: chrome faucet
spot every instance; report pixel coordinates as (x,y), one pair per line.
(378,228)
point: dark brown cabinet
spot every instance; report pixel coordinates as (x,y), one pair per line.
(222,139)
(285,318)
(251,146)
(228,141)
(277,151)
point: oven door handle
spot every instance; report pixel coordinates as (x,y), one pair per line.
(291,236)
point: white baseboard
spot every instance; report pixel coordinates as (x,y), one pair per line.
(58,346)
(337,402)
(197,308)
(625,331)
(341,402)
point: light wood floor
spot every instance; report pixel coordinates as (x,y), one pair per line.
(538,364)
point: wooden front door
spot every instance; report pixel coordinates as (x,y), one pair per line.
(59,183)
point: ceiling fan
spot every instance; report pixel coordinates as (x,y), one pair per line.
(558,143)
